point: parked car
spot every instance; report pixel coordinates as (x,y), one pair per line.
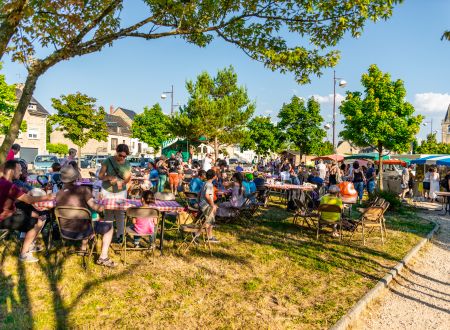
(86,161)
(139,162)
(43,163)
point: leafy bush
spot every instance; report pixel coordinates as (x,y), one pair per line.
(391,197)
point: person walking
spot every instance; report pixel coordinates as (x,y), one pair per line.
(404,185)
(371,176)
(426,183)
(115,173)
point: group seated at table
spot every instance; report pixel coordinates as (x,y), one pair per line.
(228,209)
(81,196)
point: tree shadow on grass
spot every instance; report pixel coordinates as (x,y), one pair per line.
(14,312)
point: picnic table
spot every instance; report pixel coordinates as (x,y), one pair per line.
(445,200)
(123,205)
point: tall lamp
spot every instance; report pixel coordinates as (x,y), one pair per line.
(342,83)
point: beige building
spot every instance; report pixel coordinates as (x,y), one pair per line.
(118,132)
(446,127)
(33,141)
(346,148)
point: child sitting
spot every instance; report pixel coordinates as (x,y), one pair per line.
(145,226)
(56,177)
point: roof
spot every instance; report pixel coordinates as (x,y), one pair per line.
(40,110)
(447,115)
(113,122)
(130,113)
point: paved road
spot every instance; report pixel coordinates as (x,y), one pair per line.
(420,297)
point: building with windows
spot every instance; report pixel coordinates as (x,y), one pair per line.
(33,141)
(446,127)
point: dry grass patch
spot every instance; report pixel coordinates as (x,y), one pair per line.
(272,275)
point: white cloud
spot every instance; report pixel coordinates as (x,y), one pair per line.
(328,99)
(431,102)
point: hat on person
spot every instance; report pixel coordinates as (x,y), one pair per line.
(249,176)
(334,189)
(69,174)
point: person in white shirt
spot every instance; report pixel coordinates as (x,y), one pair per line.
(207,162)
(322,168)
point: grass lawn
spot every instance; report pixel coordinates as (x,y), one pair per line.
(271,275)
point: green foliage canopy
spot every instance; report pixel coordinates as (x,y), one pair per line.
(302,123)
(78,119)
(58,148)
(8,105)
(152,126)
(325,148)
(431,146)
(217,109)
(260,28)
(263,136)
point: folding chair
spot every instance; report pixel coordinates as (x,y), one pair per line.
(331,209)
(139,212)
(192,231)
(372,218)
(304,214)
(75,224)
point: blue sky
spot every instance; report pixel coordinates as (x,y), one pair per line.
(134,73)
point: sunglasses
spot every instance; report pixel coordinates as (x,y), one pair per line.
(122,155)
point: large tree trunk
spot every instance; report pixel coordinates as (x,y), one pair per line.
(27,93)
(10,23)
(380,166)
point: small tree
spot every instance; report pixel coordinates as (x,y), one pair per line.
(302,124)
(263,136)
(151,126)
(324,148)
(382,119)
(7,105)
(79,120)
(60,149)
(217,109)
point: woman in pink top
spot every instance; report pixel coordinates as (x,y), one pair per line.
(145,226)
(13,151)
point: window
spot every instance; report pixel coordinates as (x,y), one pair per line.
(448,129)
(33,133)
(31,106)
(139,148)
(114,143)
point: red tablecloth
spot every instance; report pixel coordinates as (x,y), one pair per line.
(289,187)
(111,204)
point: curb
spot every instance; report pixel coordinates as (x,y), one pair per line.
(353,314)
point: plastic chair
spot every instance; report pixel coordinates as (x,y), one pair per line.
(75,224)
(330,208)
(139,212)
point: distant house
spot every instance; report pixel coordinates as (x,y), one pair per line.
(445,125)
(33,141)
(137,147)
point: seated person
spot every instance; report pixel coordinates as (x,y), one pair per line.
(314,178)
(259,181)
(22,180)
(239,168)
(81,196)
(249,185)
(56,177)
(21,218)
(332,198)
(226,209)
(145,226)
(196,183)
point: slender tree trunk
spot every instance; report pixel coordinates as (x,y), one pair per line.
(79,157)
(10,23)
(380,166)
(216,149)
(27,93)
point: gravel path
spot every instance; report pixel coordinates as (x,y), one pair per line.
(420,297)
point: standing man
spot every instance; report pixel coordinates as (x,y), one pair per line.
(405,183)
(371,176)
(322,168)
(13,151)
(173,164)
(72,157)
(207,163)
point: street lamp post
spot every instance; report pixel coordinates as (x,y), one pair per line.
(164,96)
(342,83)
(431,125)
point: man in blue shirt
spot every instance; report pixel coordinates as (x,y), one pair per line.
(239,168)
(196,183)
